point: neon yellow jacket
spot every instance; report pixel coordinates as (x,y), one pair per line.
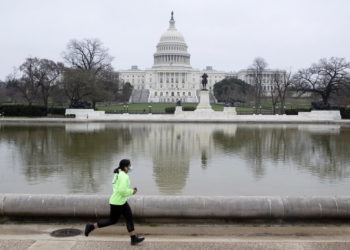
(121,189)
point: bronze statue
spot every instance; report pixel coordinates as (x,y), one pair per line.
(204,81)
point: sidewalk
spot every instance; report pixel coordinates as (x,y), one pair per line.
(242,237)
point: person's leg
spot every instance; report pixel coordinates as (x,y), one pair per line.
(114,215)
(127,213)
(115,212)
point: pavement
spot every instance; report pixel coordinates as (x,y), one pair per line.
(179,236)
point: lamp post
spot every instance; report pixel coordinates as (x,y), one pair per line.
(150,108)
(127,108)
(124,108)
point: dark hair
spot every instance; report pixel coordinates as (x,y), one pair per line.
(122,164)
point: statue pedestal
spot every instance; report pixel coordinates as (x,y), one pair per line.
(230,111)
(204,104)
(178,110)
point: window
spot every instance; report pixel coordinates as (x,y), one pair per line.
(172,93)
(166,93)
(178,93)
(183,93)
(155,93)
(189,93)
(161,93)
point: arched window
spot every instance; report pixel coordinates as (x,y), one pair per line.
(161,93)
(183,93)
(172,93)
(189,93)
(155,93)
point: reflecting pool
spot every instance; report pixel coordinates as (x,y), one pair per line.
(176,158)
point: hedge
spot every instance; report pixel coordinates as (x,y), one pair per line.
(170,110)
(345,113)
(295,111)
(29,111)
(188,108)
(57,111)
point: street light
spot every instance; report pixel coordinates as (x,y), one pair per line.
(150,108)
(124,108)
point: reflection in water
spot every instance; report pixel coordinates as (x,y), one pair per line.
(84,127)
(79,157)
(48,150)
(321,149)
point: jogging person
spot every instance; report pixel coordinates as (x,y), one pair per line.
(118,203)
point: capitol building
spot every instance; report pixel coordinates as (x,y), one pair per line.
(172,77)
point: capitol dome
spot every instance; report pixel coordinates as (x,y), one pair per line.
(171,48)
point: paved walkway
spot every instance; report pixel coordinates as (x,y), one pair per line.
(242,237)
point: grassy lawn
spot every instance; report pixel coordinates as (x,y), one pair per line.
(137,106)
(155,106)
(265,103)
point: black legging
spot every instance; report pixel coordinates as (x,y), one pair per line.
(116,211)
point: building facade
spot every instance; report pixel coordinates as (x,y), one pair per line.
(172,77)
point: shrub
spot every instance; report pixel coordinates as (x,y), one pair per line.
(188,108)
(345,112)
(57,111)
(170,110)
(23,110)
(295,111)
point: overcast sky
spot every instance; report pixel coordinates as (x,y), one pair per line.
(226,34)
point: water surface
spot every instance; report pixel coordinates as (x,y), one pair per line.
(176,159)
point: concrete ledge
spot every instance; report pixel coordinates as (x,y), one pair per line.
(183,207)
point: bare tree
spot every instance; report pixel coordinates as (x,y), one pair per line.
(3,94)
(90,61)
(36,78)
(49,74)
(342,97)
(282,82)
(75,84)
(25,80)
(88,55)
(323,78)
(257,69)
(274,98)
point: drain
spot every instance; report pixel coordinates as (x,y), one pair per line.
(66,232)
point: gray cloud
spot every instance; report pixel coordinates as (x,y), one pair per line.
(224,33)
